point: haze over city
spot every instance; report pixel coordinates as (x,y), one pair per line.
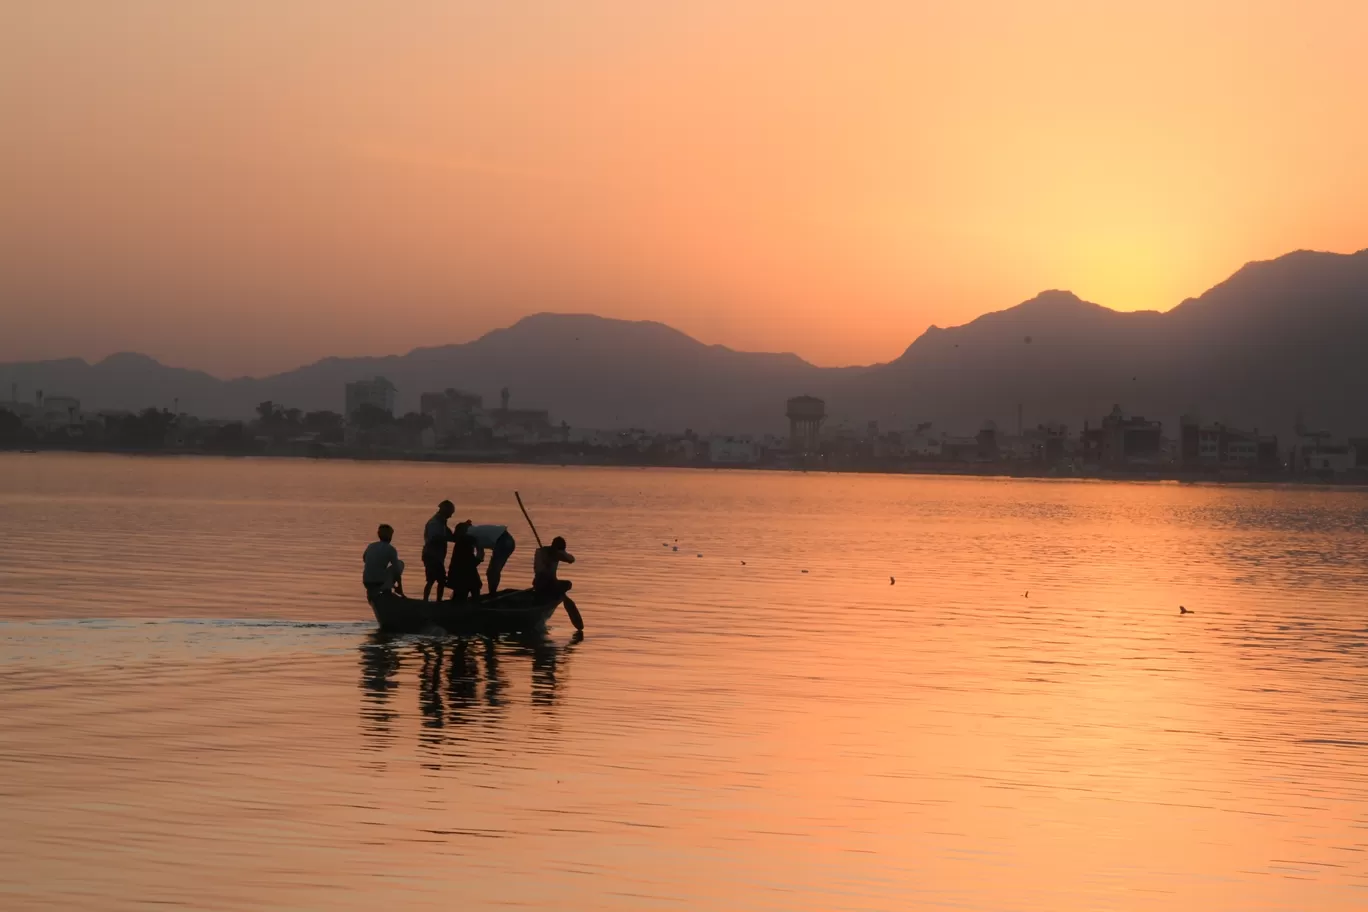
(244,188)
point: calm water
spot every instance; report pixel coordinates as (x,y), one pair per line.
(194,710)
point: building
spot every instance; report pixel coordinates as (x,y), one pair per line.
(514,423)
(733,451)
(377,392)
(921,446)
(58,412)
(455,414)
(1122,441)
(1216,446)
(1318,454)
(982,447)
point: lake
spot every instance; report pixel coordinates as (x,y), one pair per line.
(840,692)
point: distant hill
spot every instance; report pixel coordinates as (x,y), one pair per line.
(1276,337)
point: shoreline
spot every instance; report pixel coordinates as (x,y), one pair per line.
(970,470)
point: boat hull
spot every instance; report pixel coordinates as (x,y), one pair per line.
(511,611)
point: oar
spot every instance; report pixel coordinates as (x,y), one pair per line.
(571,610)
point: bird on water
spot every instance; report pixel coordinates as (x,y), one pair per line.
(891,581)
(1182,610)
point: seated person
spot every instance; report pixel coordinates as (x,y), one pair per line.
(462,576)
(381,568)
(545,563)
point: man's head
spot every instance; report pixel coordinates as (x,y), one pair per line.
(558,543)
(386,532)
(447,509)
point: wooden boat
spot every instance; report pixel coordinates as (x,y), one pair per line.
(511,611)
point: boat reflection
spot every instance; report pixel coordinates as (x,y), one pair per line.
(460,681)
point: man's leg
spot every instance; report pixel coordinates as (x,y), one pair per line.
(503,549)
(433,571)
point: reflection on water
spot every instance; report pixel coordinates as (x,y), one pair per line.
(195,711)
(458,679)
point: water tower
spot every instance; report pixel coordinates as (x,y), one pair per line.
(805,415)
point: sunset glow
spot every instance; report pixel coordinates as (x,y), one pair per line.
(246,187)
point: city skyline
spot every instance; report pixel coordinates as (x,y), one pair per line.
(248,188)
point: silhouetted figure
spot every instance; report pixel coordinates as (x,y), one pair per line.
(463,576)
(436,536)
(891,581)
(545,563)
(499,543)
(381,568)
(545,566)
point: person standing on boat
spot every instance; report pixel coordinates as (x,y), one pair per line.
(545,561)
(381,568)
(463,577)
(499,543)
(436,535)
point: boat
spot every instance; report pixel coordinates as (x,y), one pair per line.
(510,611)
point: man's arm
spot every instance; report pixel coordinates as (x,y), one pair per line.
(565,557)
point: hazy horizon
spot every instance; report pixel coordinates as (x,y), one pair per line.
(246,188)
(101,356)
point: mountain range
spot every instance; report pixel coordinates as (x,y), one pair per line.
(1278,338)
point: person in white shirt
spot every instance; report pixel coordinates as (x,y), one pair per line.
(499,543)
(381,568)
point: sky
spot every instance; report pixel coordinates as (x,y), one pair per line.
(247,186)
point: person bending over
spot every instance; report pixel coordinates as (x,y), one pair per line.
(500,544)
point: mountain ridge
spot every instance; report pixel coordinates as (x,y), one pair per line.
(1274,337)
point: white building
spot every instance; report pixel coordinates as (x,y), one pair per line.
(1321,456)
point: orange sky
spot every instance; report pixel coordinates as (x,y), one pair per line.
(246,186)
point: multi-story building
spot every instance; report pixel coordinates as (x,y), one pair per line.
(377,392)
(1319,454)
(1122,441)
(1216,446)
(982,447)
(454,414)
